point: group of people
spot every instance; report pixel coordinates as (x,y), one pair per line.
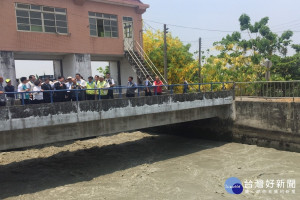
(36,91)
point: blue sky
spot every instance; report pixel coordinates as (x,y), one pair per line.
(210,14)
(221,15)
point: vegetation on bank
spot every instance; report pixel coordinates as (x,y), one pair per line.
(238,57)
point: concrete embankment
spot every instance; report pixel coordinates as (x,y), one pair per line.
(271,124)
(268,124)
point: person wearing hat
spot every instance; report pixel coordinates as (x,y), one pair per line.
(90,86)
(10,98)
(2,95)
(102,85)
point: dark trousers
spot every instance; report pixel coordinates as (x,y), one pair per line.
(110,94)
(130,95)
(26,101)
(90,97)
(148,93)
(104,96)
(2,103)
(37,101)
(69,96)
(73,96)
(47,100)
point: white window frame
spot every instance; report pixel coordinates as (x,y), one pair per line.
(42,18)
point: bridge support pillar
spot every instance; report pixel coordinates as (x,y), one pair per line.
(126,71)
(57,68)
(7,66)
(77,63)
(114,73)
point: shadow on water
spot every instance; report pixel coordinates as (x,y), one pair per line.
(34,175)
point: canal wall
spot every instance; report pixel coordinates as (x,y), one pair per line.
(269,124)
(261,123)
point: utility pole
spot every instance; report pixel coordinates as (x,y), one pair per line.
(200,46)
(165,53)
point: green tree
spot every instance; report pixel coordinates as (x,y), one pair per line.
(102,70)
(296,47)
(287,67)
(242,58)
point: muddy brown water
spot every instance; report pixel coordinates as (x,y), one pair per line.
(139,165)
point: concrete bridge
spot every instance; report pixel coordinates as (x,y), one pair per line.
(24,126)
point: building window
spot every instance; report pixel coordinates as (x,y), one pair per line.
(103,25)
(128,23)
(37,18)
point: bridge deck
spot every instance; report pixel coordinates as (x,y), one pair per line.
(23,126)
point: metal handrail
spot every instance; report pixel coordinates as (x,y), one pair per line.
(268,89)
(136,58)
(295,81)
(120,88)
(144,53)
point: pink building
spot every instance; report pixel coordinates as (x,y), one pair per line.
(72,33)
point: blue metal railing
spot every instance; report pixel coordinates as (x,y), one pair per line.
(120,90)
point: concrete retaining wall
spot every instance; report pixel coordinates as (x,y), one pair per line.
(269,116)
(268,124)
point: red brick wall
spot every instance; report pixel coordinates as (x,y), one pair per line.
(79,39)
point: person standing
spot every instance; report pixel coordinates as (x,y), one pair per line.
(60,85)
(10,97)
(38,92)
(90,86)
(185,86)
(82,85)
(22,87)
(103,85)
(69,84)
(75,87)
(2,95)
(131,87)
(111,82)
(96,80)
(158,83)
(148,85)
(46,87)
(30,84)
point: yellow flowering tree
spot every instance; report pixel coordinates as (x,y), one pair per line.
(181,63)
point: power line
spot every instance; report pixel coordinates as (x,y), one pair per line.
(187,27)
(210,30)
(283,24)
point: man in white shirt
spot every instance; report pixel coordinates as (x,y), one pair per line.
(82,85)
(111,82)
(38,92)
(69,84)
(80,81)
(30,84)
